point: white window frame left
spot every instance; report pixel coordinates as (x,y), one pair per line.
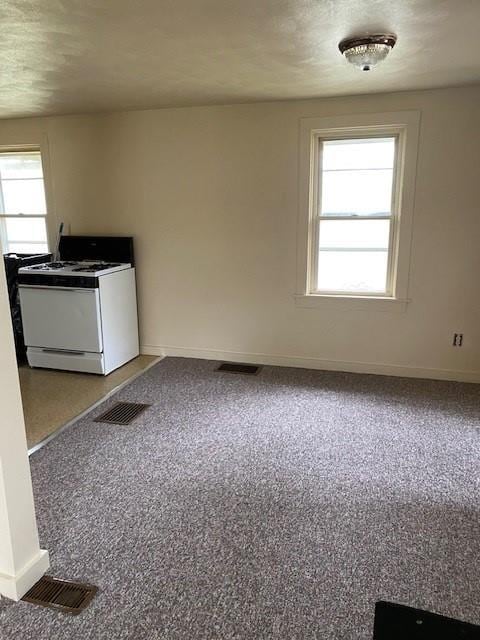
(42,148)
(405,125)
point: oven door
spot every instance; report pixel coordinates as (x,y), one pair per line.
(61,318)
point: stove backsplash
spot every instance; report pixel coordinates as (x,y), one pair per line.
(97,249)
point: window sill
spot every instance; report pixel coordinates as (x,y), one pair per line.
(353,303)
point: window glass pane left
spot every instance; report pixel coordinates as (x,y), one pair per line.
(29,230)
(24,196)
(20,165)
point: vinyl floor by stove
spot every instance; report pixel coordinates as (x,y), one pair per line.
(52,398)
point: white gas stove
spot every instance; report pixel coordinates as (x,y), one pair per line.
(80,313)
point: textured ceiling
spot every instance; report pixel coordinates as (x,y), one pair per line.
(75,56)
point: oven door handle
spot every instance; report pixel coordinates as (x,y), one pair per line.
(52,288)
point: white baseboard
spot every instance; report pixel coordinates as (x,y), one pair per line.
(313,363)
(15,587)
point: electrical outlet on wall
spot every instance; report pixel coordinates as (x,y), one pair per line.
(457,339)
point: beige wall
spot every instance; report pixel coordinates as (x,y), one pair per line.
(211,196)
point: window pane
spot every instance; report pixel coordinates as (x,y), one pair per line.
(24,247)
(354,234)
(362,192)
(21,165)
(368,153)
(352,271)
(26,230)
(24,196)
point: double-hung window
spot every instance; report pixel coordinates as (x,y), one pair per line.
(357,183)
(356,216)
(23,211)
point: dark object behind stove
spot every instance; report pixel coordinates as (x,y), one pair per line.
(13,262)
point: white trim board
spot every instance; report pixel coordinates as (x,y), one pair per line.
(313,363)
(15,587)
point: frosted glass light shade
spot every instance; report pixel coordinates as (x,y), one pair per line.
(366,52)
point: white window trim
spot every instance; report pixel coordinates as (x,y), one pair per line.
(405,125)
(42,145)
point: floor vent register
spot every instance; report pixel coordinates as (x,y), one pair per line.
(122,413)
(235,367)
(63,595)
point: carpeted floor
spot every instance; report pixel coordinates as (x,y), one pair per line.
(277,506)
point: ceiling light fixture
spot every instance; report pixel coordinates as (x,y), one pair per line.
(367,51)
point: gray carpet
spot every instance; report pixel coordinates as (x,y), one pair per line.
(277,506)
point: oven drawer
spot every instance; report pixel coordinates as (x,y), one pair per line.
(58,318)
(66,360)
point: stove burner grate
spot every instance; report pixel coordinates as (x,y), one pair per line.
(53,265)
(100,266)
